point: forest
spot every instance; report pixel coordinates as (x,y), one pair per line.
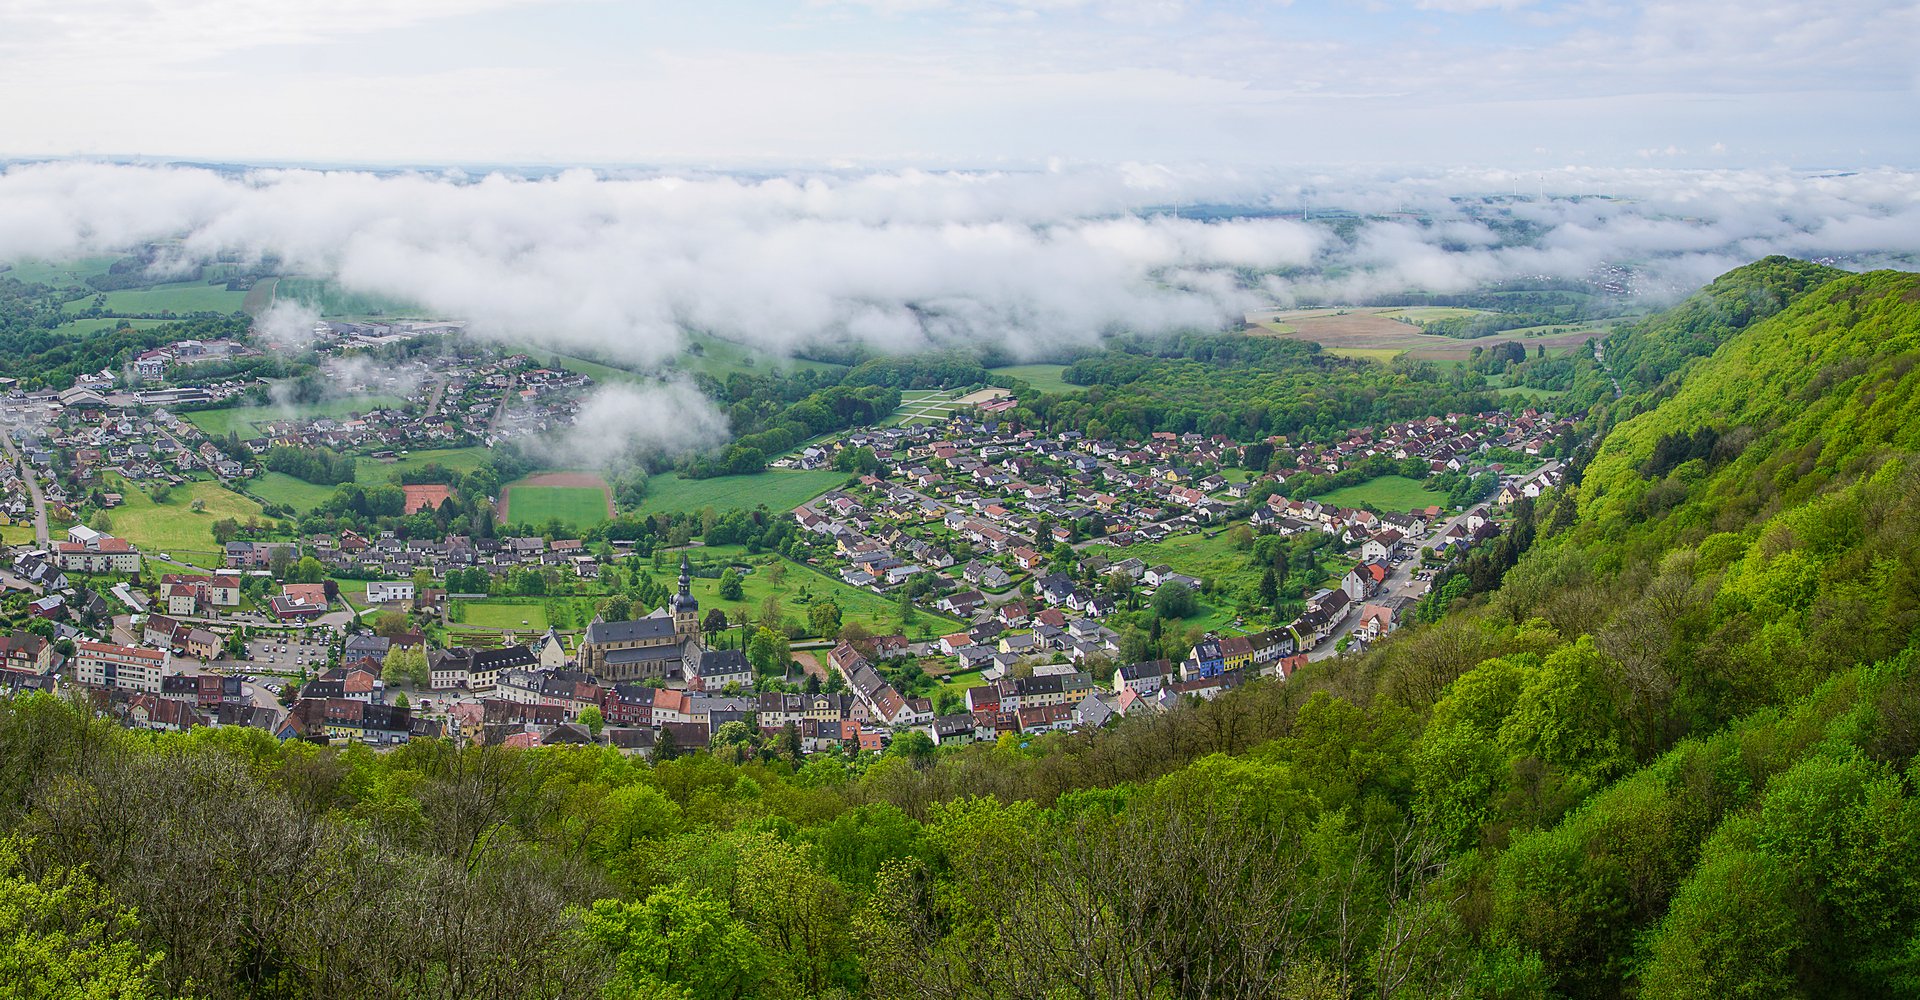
(1671,752)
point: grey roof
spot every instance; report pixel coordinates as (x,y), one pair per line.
(642,628)
(722,661)
(642,654)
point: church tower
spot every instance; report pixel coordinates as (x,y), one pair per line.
(686,610)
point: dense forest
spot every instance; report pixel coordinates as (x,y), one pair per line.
(1674,753)
(1249,388)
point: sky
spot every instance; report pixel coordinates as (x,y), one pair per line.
(879,84)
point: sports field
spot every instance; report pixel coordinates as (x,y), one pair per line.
(779,489)
(576,498)
(505,614)
(1386,493)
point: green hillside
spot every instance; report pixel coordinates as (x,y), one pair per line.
(1664,742)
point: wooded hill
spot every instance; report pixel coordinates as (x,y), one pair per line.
(1672,755)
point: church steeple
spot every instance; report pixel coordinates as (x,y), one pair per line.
(683,602)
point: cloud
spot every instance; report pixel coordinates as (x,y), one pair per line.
(623,264)
(287,325)
(619,424)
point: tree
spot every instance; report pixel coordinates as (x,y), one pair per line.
(730,586)
(824,617)
(279,560)
(391,623)
(908,613)
(769,651)
(591,718)
(405,666)
(225,529)
(665,745)
(66,936)
(402,701)
(618,608)
(1175,600)
(680,942)
(199,504)
(714,623)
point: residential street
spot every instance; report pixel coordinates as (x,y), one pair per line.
(33,489)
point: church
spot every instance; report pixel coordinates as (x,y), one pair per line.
(657,646)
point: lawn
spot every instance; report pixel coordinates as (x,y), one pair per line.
(280,488)
(506,614)
(18,534)
(251,421)
(580,506)
(1385,493)
(179,298)
(370,472)
(778,489)
(174,527)
(1045,378)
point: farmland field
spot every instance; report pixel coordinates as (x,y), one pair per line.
(174,527)
(180,298)
(778,489)
(1386,493)
(280,488)
(1344,331)
(249,421)
(1045,378)
(58,273)
(578,499)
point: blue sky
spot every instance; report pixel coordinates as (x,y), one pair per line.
(879,83)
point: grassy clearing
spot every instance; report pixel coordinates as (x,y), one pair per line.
(1427,314)
(1546,395)
(251,421)
(721,358)
(17,534)
(592,369)
(797,589)
(958,683)
(369,472)
(1045,378)
(280,488)
(580,506)
(1209,558)
(175,527)
(1387,493)
(778,489)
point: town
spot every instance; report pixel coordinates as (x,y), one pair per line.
(1010,553)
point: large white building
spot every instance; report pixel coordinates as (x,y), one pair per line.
(129,668)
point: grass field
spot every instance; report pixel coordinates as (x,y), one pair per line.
(1386,493)
(1547,395)
(372,473)
(1045,378)
(58,273)
(280,488)
(17,534)
(721,358)
(249,421)
(779,489)
(179,298)
(505,614)
(1210,559)
(580,506)
(1427,314)
(175,527)
(797,589)
(339,303)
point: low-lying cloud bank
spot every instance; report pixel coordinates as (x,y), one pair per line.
(1028,262)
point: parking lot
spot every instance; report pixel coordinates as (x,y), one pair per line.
(287,654)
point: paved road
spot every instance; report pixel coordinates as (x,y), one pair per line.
(33,490)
